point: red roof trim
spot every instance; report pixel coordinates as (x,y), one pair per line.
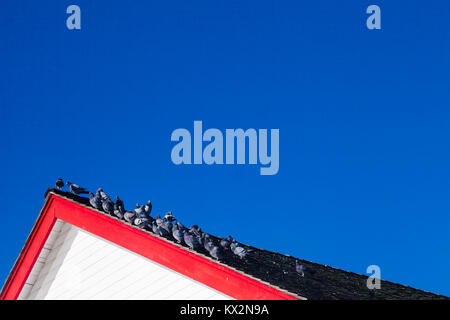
(194,266)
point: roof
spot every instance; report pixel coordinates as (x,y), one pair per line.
(261,275)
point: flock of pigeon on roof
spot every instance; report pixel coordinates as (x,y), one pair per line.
(167,227)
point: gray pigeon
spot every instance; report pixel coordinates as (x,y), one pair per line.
(163,232)
(241,252)
(158,220)
(76,189)
(95,201)
(102,194)
(167,226)
(169,217)
(208,244)
(180,225)
(177,233)
(108,205)
(141,222)
(159,230)
(119,211)
(155,227)
(195,230)
(119,208)
(215,252)
(129,216)
(140,218)
(59,183)
(225,243)
(300,269)
(191,241)
(139,210)
(120,204)
(148,208)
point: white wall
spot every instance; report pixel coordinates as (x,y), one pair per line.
(80,265)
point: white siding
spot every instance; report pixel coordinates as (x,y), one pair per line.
(80,265)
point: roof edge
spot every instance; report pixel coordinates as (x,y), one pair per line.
(219,276)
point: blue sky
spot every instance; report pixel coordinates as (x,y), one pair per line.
(364,122)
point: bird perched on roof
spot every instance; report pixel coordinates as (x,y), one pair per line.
(108,205)
(226,242)
(300,269)
(169,217)
(167,225)
(141,219)
(180,226)
(195,230)
(129,216)
(148,208)
(215,252)
(192,241)
(118,211)
(207,242)
(178,233)
(102,194)
(139,210)
(95,201)
(76,189)
(120,204)
(238,250)
(119,208)
(158,220)
(59,183)
(159,230)
(154,227)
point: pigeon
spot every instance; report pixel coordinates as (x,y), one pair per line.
(148,208)
(102,194)
(167,226)
(163,232)
(195,230)
(129,216)
(158,220)
(141,218)
(300,269)
(142,222)
(241,252)
(169,217)
(120,204)
(118,211)
(108,205)
(155,227)
(95,201)
(59,183)
(180,225)
(178,233)
(207,243)
(215,252)
(119,208)
(139,210)
(159,230)
(191,241)
(226,242)
(76,189)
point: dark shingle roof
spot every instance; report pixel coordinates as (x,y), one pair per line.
(320,281)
